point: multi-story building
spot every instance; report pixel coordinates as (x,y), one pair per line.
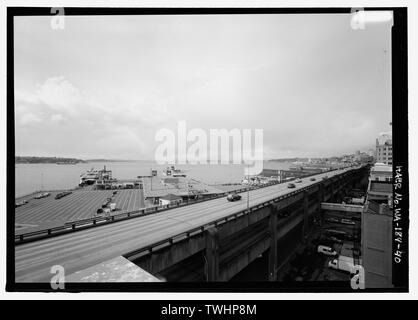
(384,148)
(377,228)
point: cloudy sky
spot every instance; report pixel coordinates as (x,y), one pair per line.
(104,85)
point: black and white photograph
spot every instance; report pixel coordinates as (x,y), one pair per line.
(207,149)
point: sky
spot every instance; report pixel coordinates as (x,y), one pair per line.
(104,85)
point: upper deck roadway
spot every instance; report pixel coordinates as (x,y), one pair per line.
(85,248)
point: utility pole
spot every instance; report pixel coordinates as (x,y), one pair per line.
(188,192)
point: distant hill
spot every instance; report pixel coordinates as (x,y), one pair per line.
(109,160)
(289,159)
(26,159)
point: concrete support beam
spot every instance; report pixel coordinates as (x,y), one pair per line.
(273,244)
(321,193)
(166,257)
(212,254)
(332,189)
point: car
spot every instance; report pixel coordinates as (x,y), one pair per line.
(325,177)
(233,197)
(291,185)
(42,195)
(20,203)
(332,220)
(328,251)
(334,239)
(313,179)
(346,221)
(298,180)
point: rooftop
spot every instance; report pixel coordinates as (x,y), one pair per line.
(161,186)
(381,167)
(171,197)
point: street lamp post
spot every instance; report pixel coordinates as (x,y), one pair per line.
(248,189)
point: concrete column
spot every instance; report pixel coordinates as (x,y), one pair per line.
(305,216)
(212,254)
(273,244)
(331,187)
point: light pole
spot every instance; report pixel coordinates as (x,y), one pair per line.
(248,189)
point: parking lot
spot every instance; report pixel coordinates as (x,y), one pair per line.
(80,204)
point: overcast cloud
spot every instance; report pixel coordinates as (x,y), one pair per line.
(103,86)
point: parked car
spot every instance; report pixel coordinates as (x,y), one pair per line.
(298,180)
(325,177)
(313,179)
(233,197)
(20,203)
(42,195)
(291,185)
(346,221)
(334,239)
(62,194)
(328,251)
(335,220)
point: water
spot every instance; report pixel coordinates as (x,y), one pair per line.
(45,176)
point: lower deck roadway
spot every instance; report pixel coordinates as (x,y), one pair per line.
(85,248)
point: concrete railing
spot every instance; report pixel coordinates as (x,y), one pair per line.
(341,207)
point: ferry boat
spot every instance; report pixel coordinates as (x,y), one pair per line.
(173,172)
(93,176)
(90,177)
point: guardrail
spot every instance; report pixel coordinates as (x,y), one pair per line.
(199,230)
(100,220)
(96,221)
(186,235)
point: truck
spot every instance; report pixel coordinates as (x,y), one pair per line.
(342,263)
